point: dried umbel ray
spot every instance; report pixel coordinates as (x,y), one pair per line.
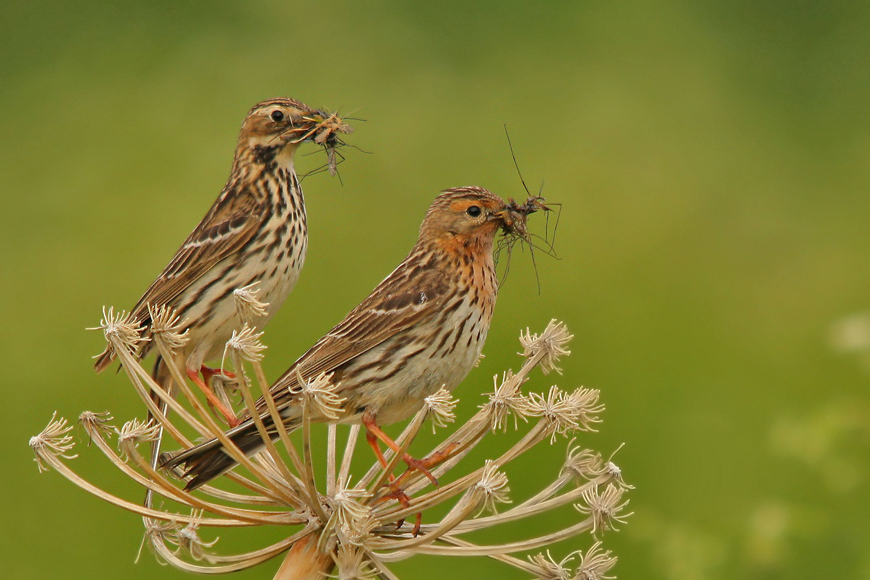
(351,527)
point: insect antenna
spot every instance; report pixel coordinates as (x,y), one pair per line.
(514,157)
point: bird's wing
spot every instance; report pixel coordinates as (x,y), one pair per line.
(412,293)
(230,223)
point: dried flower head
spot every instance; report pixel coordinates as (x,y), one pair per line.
(605,509)
(97,421)
(595,564)
(440,407)
(507,399)
(549,346)
(353,519)
(587,407)
(614,473)
(493,487)
(357,531)
(158,533)
(559,410)
(54,441)
(187,539)
(247,343)
(584,464)
(166,325)
(248,307)
(550,569)
(319,395)
(122,331)
(134,432)
(592,565)
(587,465)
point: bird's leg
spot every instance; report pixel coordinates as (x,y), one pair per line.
(372,440)
(428,462)
(403,499)
(372,431)
(230,417)
(208,373)
(396,494)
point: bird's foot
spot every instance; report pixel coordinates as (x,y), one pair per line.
(400,496)
(421,465)
(424,465)
(208,373)
(212,399)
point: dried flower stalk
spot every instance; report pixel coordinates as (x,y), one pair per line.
(353,530)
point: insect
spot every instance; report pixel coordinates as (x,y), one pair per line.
(325,133)
(519,233)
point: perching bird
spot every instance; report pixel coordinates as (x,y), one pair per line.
(422,328)
(255,232)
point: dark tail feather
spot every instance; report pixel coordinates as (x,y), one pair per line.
(208,460)
(104,359)
(162,377)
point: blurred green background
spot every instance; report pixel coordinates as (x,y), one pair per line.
(712,159)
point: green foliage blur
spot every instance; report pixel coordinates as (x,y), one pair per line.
(712,163)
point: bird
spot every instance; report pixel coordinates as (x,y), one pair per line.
(254,234)
(422,328)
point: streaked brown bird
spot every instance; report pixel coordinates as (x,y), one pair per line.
(422,328)
(255,232)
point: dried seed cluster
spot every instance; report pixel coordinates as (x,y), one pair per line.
(352,527)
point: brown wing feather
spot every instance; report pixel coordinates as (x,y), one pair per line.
(416,292)
(226,228)
(230,223)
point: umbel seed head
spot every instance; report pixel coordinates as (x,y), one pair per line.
(355,525)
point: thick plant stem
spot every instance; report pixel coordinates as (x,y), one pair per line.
(304,561)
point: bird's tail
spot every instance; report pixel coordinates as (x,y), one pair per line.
(209,460)
(104,359)
(162,377)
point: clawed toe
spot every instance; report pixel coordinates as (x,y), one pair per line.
(421,465)
(400,496)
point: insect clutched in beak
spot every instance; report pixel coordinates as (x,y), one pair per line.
(514,215)
(322,128)
(513,224)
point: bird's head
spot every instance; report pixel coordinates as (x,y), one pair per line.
(277,126)
(468,218)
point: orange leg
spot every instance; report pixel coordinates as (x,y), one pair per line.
(396,494)
(372,440)
(208,373)
(403,499)
(429,462)
(230,417)
(373,432)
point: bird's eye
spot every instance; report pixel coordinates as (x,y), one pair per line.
(473,211)
(277,116)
